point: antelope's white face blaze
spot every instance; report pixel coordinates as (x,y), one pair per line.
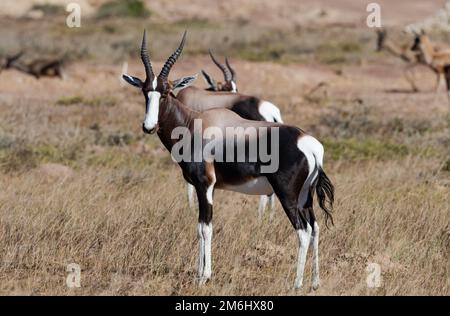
(152,107)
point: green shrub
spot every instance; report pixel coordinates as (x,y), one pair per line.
(101,101)
(97,101)
(123,8)
(18,158)
(49,9)
(22,157)
(352,149)
(446,166)
(194,23)
(70,100)
(338,52)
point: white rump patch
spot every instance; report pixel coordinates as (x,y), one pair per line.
(256,186)
(313,151)
(269,112)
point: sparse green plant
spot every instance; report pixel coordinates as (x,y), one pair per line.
(123,8)
(338,52)
(119,139)
(49,8)
(193,23)
(101,101)
(18,158)
(96,101)
(353,149)
(21,157)
(70,100)
(446,165)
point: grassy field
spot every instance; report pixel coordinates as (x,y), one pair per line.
(80,182)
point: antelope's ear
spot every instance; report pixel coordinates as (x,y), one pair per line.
(184,82)
(209,80)
(133,81)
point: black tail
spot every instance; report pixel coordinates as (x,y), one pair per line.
(325,195)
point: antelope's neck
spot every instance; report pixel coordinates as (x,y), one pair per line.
(173,114)
(427,50)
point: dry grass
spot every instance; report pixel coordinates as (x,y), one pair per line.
(81,184)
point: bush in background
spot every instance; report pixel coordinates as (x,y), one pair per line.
(123,8)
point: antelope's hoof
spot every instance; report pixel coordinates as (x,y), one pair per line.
(203,281)
(315,285)
(298,286)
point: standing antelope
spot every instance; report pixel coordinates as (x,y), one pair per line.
(298,175)
(438,61)
(229,75)
(403,51)
(224,95)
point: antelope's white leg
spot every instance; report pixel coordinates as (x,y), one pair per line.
(438,81)
(207,235)
(262,205)
(190,194)
(304,236)
(272,205)
(315,245)
(201,255)
(206,230)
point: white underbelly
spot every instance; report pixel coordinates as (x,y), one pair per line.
(257,186)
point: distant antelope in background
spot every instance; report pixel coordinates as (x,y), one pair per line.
(299,173)
(403,51)
(8,60)
(38,67)
(224,95)
(438,61)
(229,76)
(409,53)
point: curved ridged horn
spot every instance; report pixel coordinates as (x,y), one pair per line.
(233,73)
(164,74)
(226,74)
(146,58)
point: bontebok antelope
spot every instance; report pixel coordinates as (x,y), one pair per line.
(7,61)
(298,174)
(403,52)
(438,61)
(229,76)
(37,67)
(224,95)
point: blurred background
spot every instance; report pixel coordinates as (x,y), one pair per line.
(80,182)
